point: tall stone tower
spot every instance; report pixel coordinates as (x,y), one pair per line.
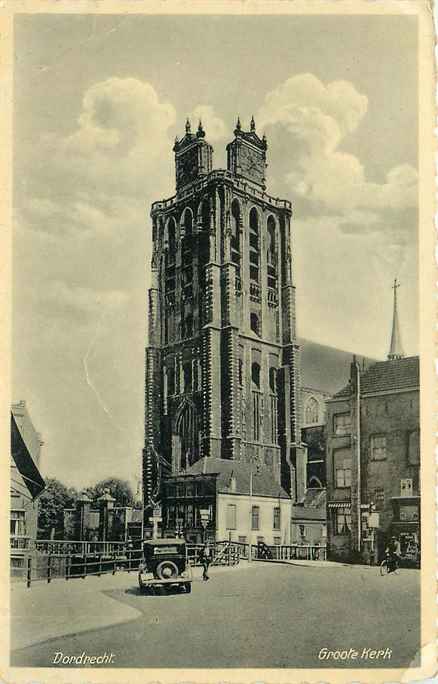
(222,376)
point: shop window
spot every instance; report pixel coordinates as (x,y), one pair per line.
(414,447)
(277,518)
(378,448)
(190,517)
(255,518)
(231,516)
(342,468)
(342,424)
(171,516)
(342,522)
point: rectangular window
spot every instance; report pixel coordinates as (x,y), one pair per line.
(342,468)
(242,540)
(190,515)
(406,486)
(277,518)
(378,448)
(260,540)
(277,541)
(379,498)
(342,522)
(342,424)
(231,517)
(18,524)
(414,447)
(171,516)
(255,518)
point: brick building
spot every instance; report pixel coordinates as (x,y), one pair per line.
(373,458)
(222,377)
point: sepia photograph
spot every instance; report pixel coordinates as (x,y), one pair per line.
(221,447)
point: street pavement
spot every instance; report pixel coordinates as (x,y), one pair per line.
(264,615)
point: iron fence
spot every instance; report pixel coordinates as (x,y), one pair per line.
(79,559)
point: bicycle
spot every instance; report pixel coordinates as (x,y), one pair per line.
(389,565)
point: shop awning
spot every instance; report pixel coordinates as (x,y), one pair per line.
(339,504)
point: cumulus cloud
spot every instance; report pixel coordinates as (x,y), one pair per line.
(318,118)
(214,126)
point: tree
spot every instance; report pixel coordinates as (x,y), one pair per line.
(52,502)
(120,489)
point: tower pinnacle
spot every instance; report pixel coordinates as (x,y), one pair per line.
(395,349)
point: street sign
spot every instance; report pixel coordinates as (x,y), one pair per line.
(373,520)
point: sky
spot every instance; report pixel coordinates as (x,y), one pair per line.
(98,101)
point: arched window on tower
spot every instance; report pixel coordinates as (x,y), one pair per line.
(254,246)
(315,482)
(187,371)
(255,375)
(171,241)
(256,401)
(204,255)
(254,323)
(235,234)
(311,415)
(273,404)
(272,254)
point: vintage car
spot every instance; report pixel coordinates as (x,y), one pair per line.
(164,564)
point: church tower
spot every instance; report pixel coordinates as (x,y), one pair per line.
(222,372)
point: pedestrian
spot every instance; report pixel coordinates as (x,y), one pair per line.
(205,559)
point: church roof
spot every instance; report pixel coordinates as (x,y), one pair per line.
(384,376)
(263,482)
(323,367)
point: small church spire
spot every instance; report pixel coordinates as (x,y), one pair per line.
(238,126)
(201,132)
(395,349)
(252,124)
(188,126)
